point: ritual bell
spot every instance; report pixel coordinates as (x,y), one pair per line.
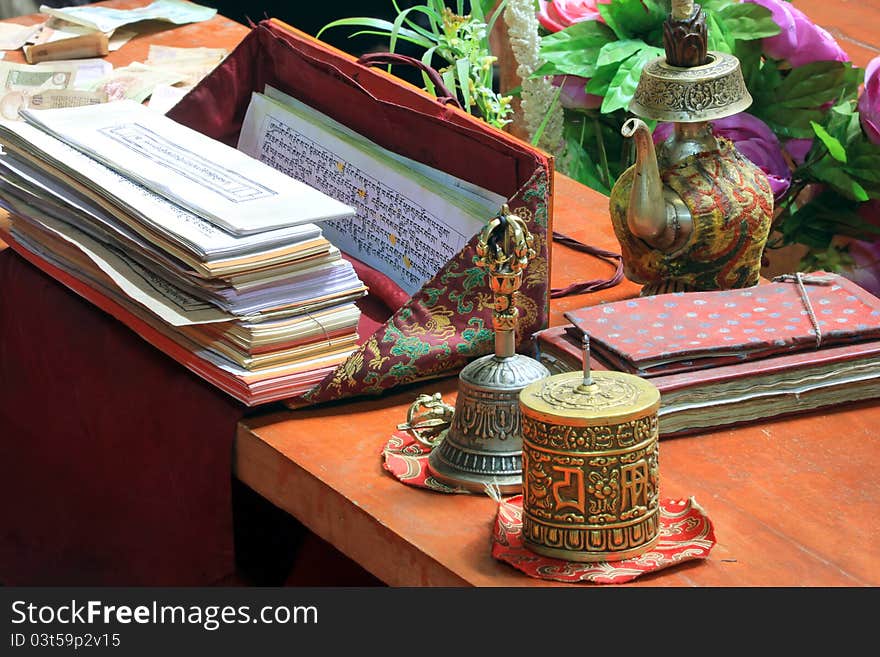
(590,465)
(483,444)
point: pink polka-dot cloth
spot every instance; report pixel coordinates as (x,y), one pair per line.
(683,331)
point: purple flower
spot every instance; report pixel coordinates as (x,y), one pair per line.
(797,149)
(574,93)
(865,270)
(755,140)
(801,41)
(869,102)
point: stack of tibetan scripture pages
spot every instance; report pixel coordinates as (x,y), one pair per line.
(212,253)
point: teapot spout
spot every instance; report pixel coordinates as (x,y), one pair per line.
(646,215)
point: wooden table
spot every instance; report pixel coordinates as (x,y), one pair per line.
(793,500)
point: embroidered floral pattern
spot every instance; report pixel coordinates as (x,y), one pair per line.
(448,322)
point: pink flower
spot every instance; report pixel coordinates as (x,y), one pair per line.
(555,15)
(574,93)
(869,102)
(755,140)
(801,41)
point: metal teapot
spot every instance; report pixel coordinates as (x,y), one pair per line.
(695,214)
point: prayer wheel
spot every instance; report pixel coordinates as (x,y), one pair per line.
(590,466)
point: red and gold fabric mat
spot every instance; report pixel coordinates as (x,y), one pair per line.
(686,532)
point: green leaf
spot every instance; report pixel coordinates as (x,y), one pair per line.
(719,37)
(717,5)
(495,15)
(789,102)
(536,138)
(864,166)
(617,51)
(402,37)
(484,6)
(448,75)
(812,85)
(748,21)
(427,58)
(830,214)
(378,24)
(787,123)
(835,148)
(610,21)
(633,18)
(623,86)
(843,122)
(601,79)
(864,162)
(463,70)
(751,60)
(575,49)
(398,27)
(576,161)
(586,34)
(838,178)
(859,192)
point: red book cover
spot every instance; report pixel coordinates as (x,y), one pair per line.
(693,330)
(791,382)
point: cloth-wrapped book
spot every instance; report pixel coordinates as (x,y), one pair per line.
(684,331)
(715,362)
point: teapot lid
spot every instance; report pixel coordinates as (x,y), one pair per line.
(690,84)
(691,94)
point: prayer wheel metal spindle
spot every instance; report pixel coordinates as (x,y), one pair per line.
(483,445)
(590,465)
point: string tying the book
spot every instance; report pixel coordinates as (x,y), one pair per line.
(810,279)
(688,331)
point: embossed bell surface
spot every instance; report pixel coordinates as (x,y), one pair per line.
(483,444)
(590,466)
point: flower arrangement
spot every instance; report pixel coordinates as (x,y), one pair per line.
(813,126)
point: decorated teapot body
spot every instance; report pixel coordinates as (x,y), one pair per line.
(694,216)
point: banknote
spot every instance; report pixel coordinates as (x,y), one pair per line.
(161,54)
(22,77)
(108,19)
(135,81)
(13,35)
(56,29)
(192,63)
(19,82)
(56,98)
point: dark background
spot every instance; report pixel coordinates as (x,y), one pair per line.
(311,17)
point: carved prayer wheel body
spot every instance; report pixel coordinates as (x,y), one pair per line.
(590,466)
